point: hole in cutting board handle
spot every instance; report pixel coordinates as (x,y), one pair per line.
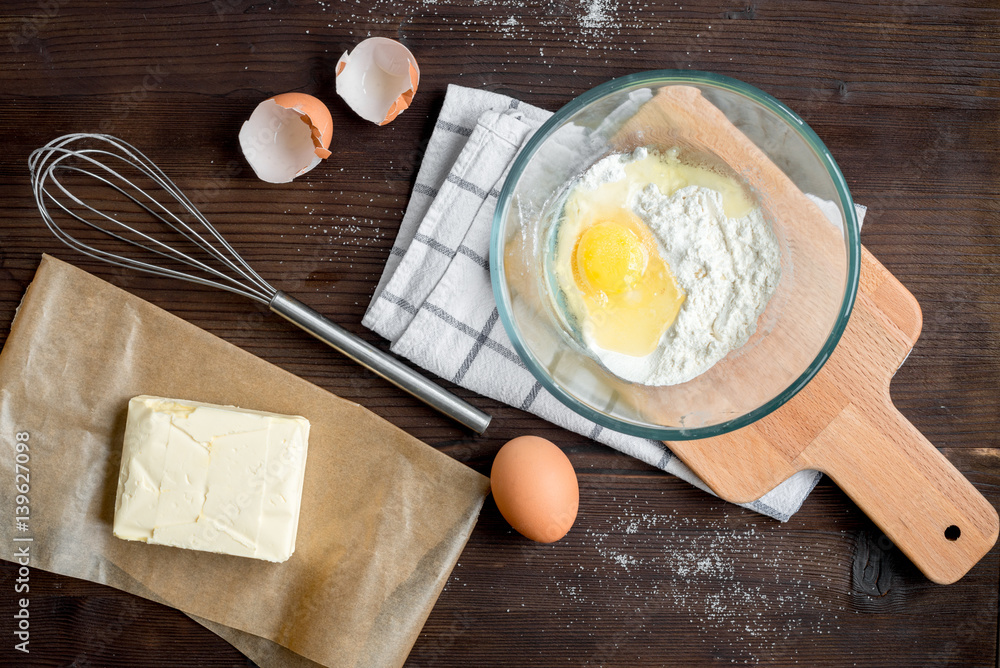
(952,532)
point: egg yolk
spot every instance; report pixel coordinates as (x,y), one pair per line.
(610,257)
(616,285)
(630,296)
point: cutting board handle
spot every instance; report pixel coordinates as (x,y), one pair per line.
(908,488)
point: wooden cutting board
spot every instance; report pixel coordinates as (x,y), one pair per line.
(844,424)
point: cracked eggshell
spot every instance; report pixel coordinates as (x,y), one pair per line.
(378,79)
(286,136)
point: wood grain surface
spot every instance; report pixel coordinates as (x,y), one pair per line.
(905,94)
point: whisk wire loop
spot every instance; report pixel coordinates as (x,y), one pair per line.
(120,168)
(152,244)
(76,154)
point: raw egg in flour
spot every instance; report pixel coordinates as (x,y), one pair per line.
(658,265)
(535,488)
(623,286)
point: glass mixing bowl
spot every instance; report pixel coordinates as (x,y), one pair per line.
(731,127)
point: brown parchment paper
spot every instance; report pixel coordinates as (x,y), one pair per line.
(384,516)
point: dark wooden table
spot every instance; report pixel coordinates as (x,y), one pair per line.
(905,94)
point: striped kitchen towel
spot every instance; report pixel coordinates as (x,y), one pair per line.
(435,303)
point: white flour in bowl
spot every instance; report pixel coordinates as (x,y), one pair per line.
(727,267)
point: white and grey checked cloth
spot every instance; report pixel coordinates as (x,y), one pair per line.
(435,303)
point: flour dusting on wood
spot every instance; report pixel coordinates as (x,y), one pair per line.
(591,23)
(745,588)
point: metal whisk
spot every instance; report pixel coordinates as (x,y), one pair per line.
(107,162)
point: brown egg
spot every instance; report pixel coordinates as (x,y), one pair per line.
(535,488)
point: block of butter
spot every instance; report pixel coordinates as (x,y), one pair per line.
(212,478)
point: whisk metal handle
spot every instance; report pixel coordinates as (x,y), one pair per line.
(382,364)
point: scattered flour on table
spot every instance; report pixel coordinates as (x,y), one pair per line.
(752,593)
(747,591)
(600,14)
(590,24)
